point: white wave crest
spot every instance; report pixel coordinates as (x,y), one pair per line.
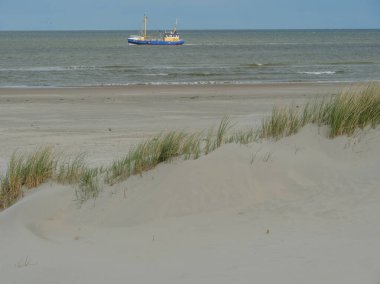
(318,72)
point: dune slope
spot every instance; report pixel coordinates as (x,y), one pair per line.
(304,209)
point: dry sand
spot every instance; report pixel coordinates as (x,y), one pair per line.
(104,122)
(304,209)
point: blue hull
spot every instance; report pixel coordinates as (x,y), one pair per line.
(155,42)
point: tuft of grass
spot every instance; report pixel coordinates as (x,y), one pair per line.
(147,154)
(168,147)
(88,186)
(71,170)
(164,148)
(191,146)
(26,170)
(353,109)
(243,136)
(39,166)
(283,122)
(11,184)
(208,142)
(119,170)
(224,125)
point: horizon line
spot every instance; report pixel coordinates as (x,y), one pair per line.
(207,29)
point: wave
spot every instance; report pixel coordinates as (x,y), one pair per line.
(131,70)
(114,67)
(319,72)
(67,68)
(38,69)
(153,74)
(176,83)
(258,65)
(201,74)
(212,82)
(166,83)
(48,68)
(348,63)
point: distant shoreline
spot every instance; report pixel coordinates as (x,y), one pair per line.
(184,85)
(193,88)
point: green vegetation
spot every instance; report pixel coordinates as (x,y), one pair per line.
(70,171)
(26,170)
(12,182)
(88,185)
(344,113)
(38,167)
(221,133)
(354,109)
(164,148)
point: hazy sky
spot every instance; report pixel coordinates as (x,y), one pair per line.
(191,14)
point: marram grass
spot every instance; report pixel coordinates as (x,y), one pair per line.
(344,113)
(70,171)
(38,167)
(164,148)
(12,182)
(353,109)
(88,185)
(26,170)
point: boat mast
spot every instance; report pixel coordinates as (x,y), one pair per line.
(145,22)
(175,27)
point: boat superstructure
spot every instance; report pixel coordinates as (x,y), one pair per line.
(168,38)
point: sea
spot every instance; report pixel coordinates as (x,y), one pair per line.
(104,58)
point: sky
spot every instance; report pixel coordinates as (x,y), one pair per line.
(191,14)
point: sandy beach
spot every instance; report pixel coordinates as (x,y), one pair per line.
(304,209)
(105,121)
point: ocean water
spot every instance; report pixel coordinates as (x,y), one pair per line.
(94,58)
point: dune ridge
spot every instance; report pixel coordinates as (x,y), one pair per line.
(300,209)
(305,206)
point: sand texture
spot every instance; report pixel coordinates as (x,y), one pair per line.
(105,122)
(304,209)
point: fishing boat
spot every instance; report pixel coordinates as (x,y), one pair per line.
(167,38)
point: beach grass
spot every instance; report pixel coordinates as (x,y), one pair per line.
(243,136)
(149,153)
(69,171)
(12,182)
(224,126)
(191,146)
(145,156)
(26,170)
(353,109)
(344,113)
(39,166)
(88,185)
(164,148)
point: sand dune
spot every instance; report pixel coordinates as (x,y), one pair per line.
(304,209)
(104,122)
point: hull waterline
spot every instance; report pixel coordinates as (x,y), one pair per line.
(154,42)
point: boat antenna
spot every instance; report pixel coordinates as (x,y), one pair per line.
(175,26)
(145,23)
